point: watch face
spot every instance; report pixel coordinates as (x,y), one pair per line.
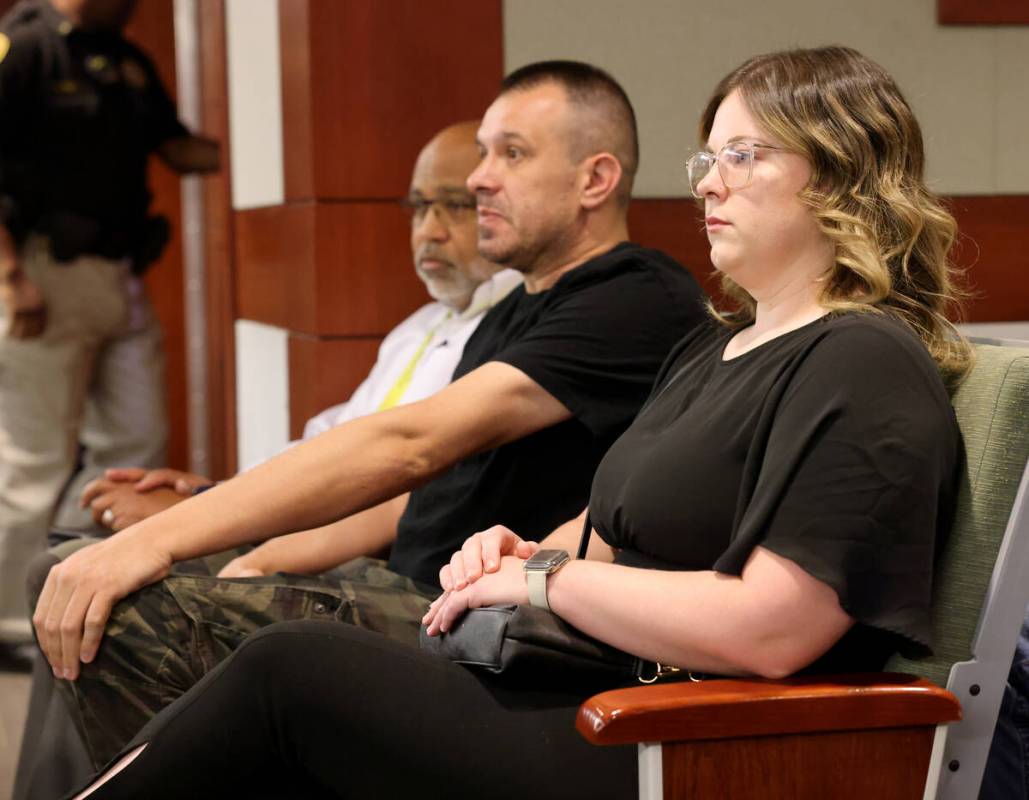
(547,560)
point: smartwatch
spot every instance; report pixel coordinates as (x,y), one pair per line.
(537,568)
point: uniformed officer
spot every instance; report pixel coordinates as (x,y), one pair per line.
(80,352)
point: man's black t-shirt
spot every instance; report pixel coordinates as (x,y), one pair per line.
(834,446)
(79,113)
(595,342)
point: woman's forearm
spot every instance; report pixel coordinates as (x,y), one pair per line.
(568,537)
(771,621)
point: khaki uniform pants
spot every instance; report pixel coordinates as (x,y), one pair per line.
(95,376)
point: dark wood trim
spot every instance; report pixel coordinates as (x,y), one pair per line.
(152,29)
(982,12)
(218,250)
(297,112)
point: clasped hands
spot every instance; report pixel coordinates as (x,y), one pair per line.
(125,496)
(128,495)
(488,569)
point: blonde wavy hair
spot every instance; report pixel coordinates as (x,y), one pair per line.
(892,236)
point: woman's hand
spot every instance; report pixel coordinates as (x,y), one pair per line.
(482,553)
(505,584)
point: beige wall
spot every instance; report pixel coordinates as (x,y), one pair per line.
(966,84)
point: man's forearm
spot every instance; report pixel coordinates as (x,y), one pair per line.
(357,465)
(346,470)
(313,552)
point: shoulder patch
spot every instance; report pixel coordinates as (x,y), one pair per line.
(5,45)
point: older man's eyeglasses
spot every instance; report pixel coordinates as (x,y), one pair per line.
(449,208)
(735,165)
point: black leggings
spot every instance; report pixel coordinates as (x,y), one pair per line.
(323,709)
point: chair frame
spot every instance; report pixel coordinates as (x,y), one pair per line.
(936,740)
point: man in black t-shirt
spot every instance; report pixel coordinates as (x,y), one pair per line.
(554,373)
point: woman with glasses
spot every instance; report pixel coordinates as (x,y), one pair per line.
(774,508)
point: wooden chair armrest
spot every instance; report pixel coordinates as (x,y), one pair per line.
(729,708)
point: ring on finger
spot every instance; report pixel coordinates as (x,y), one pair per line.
(107,517)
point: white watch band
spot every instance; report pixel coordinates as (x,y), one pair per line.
(536,581)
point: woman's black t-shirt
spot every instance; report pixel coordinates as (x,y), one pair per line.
(834,445)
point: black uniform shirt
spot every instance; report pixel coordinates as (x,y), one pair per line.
(594,341)
(79,113)
(834,446)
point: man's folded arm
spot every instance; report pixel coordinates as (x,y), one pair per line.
(312,552)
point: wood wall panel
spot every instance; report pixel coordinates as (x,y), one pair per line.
(848,765)
(324,372)
(675,225)
(327,269)
(274,253)
(982,12)
(366,278)
(992,248)
(366,84)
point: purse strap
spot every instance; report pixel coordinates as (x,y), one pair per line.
(584,542)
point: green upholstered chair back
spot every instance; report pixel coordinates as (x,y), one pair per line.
(992,407)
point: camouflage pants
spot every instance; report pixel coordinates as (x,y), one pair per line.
(162,639)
